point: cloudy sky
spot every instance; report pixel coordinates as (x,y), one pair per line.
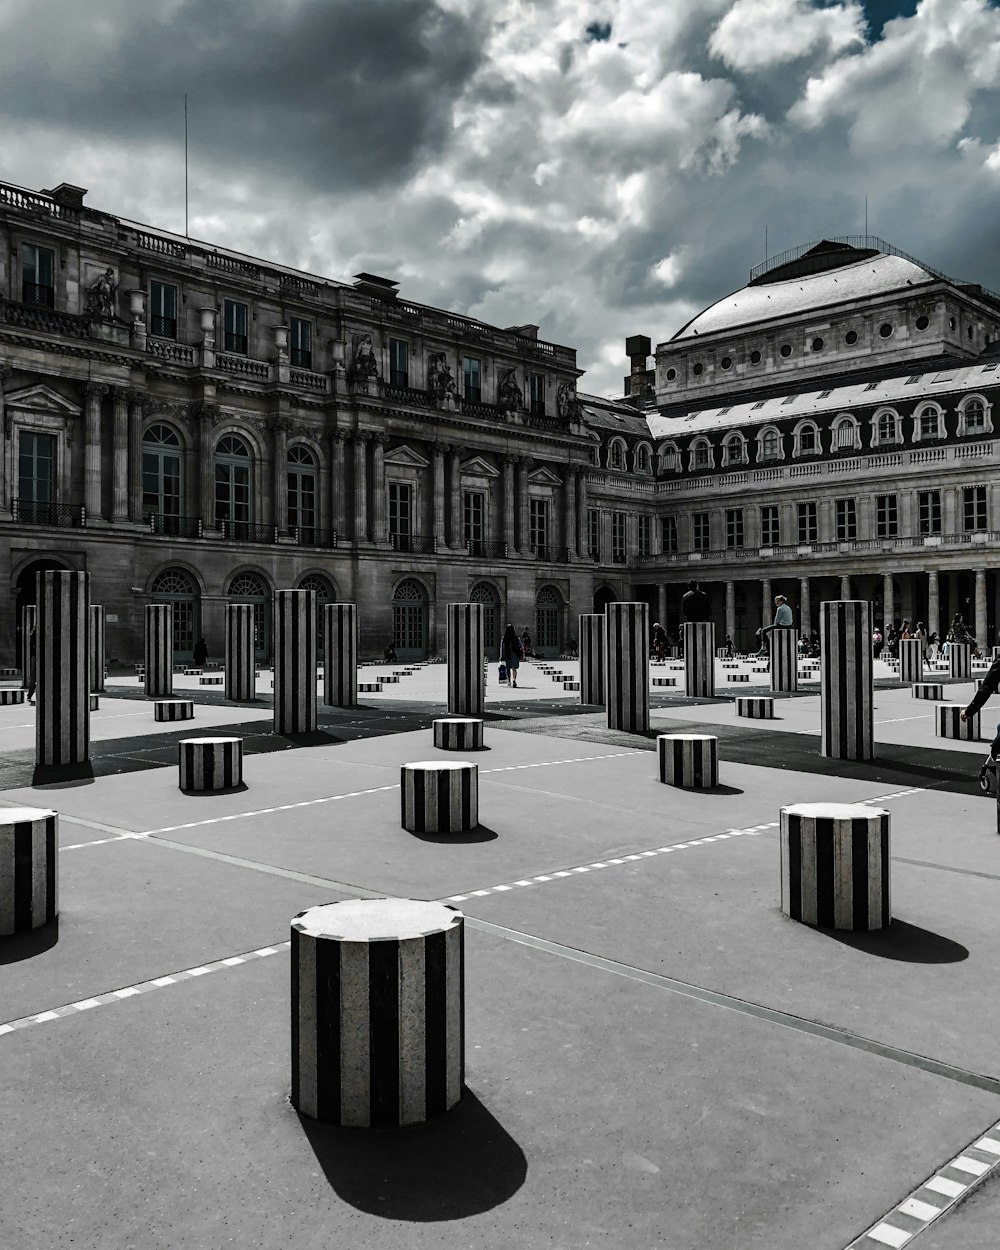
(600,167)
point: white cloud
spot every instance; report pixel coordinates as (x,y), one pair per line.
(760,34)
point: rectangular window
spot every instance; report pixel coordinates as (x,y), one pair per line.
(808,525)
(734,528)
(770,526)
(974,507)
(474,521)
(619,523)
(847,520)
(235,326)
(36,463)
(38,266)
(700,530)
(886,516)
(594,533)
(471,385)
(539,522)
(300,334)
(668,529)
(399,362)
(400,514)
(163,310)
(645,535)
(929,511)
(536,394)
(929,423)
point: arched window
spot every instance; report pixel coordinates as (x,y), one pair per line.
(807,439)
(302,494)
(845,434)
(927,423)
(409,620)
(250,588)
(486,594)
(974,416)
(769,444)
(162,479)
(548,620)
(324,594)
(616,454)
(670,458)
(177,587)
(641,459)
(734,450)
(701,454)
(886,425)
(233,486)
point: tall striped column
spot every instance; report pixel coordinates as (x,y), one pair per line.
(784,646)
(158,679)
(62,657)
(29,619)
(295,661)
(846,698)
(628,666)
(340,658)
(29,868)
(960,660)
(98,661)
(593,674)
(241,682)
(378,1011)
(466,680)
(835,864)
(699,659)
(911,660)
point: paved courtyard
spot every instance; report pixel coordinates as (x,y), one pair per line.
(655,1055)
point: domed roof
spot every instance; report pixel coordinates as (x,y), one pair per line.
(774,295)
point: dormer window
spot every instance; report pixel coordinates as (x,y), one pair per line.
(845,434)
(927,423)
(734,450)
(616,455)
(886,428)
(769,445)
(670,458)
(701,454)
(642,458)
(974,416)
(807,439)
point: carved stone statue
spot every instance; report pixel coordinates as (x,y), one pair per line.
(509,394)
(439,380)
(566,400)
(363,362)
(102,295)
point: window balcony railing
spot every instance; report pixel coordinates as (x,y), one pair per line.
(400,393)
(37,295)
(537,407)
(302,358)
(236,343)
(419,544)
(248,532)
(242,365)
(311,536)
(619,557)
(163,327)
(46,319)
(169,526)
(486,549)
(28,512)
(476,408)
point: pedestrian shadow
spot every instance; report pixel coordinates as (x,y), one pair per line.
(456,1165)
(26,945)
(482,833)
(905,942)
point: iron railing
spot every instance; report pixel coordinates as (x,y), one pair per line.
(169,526)
(163,327)
(486,549)
(37,295)
(28,512)
(312,536)
(301,358)
(419,544)
(248,532)
(38,317)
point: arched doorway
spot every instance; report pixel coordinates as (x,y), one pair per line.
(548,621)
(486,594)
(251,588)
(177,587)
(25,595)
(409,620)
(324,594)
(603,595)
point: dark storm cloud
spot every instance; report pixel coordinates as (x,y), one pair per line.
(335,95)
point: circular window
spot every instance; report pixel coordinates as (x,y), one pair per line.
(817,345)
(885,330)
(786,349)
(923,323)
(755,357)
(851,337)
(698,369)
(727,362)
(671,374)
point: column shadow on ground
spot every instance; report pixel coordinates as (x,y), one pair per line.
(62,776)
(902,941)
(457,1165)
(482,833)
(32,942)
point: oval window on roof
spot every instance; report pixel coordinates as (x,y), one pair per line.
(727,362)
(817,345)
(923,323)
(698,368)
(851,337)
(755,357)
(671,374)
(786,349)
(885,330)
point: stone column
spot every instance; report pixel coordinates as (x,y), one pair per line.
(136,411)
(981,608)
(627,643)
(933,603)
(661,604)
(279,473)
(509,528)
(120,508)
(845,586)
(581,517)
(361,439)
(846,696)
(158,654)
(455,498)
(437,458)
(766,607)
(730,608)
(92,450)
(466,683)
(380,519)
(62,658)
(240,670)
(338,515)
(523,526)
(888,606)
(805,615)
(569,492)
(340,657)
(592,657)
(6,445)
(206,461)
(295,661)
(97,652)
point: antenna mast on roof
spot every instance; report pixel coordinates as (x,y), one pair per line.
(866,216)
(186,234)
(765,240)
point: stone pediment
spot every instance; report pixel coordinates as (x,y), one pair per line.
(476,466)
(41,399)
(405,457)
(544,476)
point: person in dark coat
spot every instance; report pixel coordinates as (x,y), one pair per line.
(199,653)
(511,654)
(695,604)
(32,664)
(989,686)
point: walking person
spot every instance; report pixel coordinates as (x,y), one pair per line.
(199,653)
(32,664)
(695,603)
(511,654)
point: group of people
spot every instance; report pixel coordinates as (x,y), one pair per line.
(885,641)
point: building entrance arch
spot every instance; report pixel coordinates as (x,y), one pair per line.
(548,621)
(603,595)
(409,620)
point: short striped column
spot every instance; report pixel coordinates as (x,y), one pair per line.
(378,1012)
(593,659)
(458,733)
(627,650)
(29,868)
(784,647)
(699,664)
(835,865)
(911,660)
(62,657)
(98,658)
(756,708)
(846,690)
(295,661)
(241,685)
(960,660)
(439,797)
(29,619)
(466,680)
(10,695)
(173,709)
(688,761)
(927,690)
(340,665)
(208,764)
(158,675)
(949,723)
(95,702)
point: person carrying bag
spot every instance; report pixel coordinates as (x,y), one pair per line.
(511,654)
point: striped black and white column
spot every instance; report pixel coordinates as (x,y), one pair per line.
(593,658)
(173,709)
(295,661)
(688,761)
(627,682)
(439,797)
(835,865)
(62,658)
(29,868)
(340,655)
(466,680)
(960,660)
(928,690)
(208,764)
(846,691)
(98,656)
(241,684)
(755,708)
(158,675)
(699,659)
(378,1012)
(29,619)
(458,733)
(911,660)
(949,723)
(784,648)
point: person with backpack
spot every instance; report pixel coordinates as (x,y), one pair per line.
(511,654)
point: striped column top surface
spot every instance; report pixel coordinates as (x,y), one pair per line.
(834,811)
(24,815)
(377,919)
(436,766)
(201,742)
